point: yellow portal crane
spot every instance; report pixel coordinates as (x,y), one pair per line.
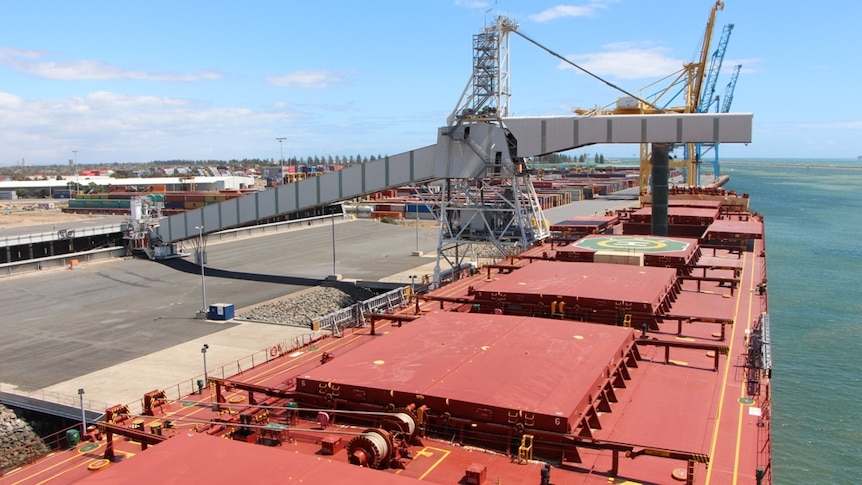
(698,70)
(697,74)
(693,75)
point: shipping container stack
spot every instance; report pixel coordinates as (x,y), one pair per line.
(119,203)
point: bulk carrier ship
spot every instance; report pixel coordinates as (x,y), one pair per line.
(629,347)
(600,356)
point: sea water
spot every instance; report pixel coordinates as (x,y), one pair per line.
(813,217)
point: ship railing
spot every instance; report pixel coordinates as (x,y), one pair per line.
(338,319)
(764,444)
(196,384)
(352,316)
(386,302)
(26,453)
(766,349)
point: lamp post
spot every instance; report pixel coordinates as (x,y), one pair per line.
(201,257)
(204,353)
(281,149)
(75,152)
(83,413)
(332,223)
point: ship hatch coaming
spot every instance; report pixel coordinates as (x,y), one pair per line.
(557,385)
(595,292)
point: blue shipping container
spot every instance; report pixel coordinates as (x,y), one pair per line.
(420,208)
(221,311)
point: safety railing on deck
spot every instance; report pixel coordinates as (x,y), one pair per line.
(353,316)
(13,458)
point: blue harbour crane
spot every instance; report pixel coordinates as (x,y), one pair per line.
(708,98)
(725,108)
(728,91)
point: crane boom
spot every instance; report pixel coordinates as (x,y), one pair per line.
(704,53)
(708,96)
(728,91)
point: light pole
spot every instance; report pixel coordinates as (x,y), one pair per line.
(201,257)
(83,414)
(204,353)
(76,171)
(281,148)
(332,223)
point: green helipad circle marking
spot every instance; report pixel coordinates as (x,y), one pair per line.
(746,400)
(632,244)
(188,403)
(89,447)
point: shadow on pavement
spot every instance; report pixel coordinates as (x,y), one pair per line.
(190,267)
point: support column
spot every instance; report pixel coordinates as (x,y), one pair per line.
(660,171)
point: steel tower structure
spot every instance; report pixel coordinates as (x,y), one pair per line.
(493,204)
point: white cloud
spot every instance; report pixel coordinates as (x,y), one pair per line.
(561,11)
(829,125)
(627,62)
(472,3)
(27,61)
(9,53)
(307,79)
(10,101)
(118,127)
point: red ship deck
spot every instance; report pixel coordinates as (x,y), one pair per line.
(714,204)
(591,287)
(680,214)
(585,224)
(214,460)
(734,228)
(447,358)
(657,251)
(638,406)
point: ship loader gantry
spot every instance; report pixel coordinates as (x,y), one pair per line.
(481,155)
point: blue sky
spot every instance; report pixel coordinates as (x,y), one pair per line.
(141,81)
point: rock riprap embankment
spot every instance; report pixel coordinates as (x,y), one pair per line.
(18,441)
(304,308)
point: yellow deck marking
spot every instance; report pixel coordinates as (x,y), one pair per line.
(86,464)
(39,472)
(677,362)
(624,482)
(727,362)
(742,407)
(446,453)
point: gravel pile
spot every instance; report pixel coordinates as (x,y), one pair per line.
(15,436)
(480,251)
(302,309)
